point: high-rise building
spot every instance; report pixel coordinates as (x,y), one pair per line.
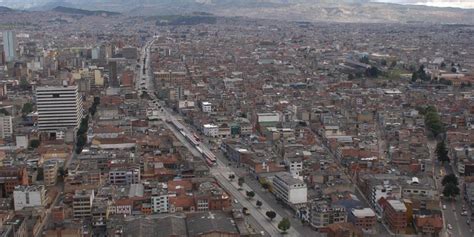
(95,53)
(59,108)
(2,55)
(6,126)
(113,78)
(9,45)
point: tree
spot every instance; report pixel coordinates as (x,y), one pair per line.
(414,76)
(454,70)
(27,108)
(442,152)
(383,62)
(393,64)
(372,72)
(450,179)
(96,100)
(422,74)
(40,174)
(443,65)
(271,215)
(4,112)
(34,144)
(81,142)
(250,194)
(93,108)
(231,177)
(451,190)
(284,225)
(240,182)
(433,121)
(24,84)
(350,77)
(259,203)
(364,59)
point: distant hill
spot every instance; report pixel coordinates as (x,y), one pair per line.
(374,11)
(76,11)
(5,9)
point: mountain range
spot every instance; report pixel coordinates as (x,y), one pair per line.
(383,11)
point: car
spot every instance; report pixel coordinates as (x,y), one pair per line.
(444,207)
(235,201)
(450,227)
(468,222)
(464,213)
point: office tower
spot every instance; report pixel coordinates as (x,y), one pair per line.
(130,53)
(113,79)
(9,45)
(2,55)
(59,107)
(95,54)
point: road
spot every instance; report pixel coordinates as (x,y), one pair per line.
(220,171)
(452,214)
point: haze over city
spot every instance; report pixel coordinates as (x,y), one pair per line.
(229,118)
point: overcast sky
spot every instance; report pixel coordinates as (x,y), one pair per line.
(436,3)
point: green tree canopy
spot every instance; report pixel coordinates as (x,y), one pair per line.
(451,190)
(34,144)
(284,225)
(372,72)
(241,181)
(442,152)
(4,112)
(27,108)
(271,215)
(250,194)
(364,59)
(450,179)
(433,121)
(24,84)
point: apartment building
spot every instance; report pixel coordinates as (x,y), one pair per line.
(159,202)
(6,126)
(124,176)
(293,192)
(50,172)
(395,215)
(323,214)
(29,196)
(364,218)
(10,177)
(82,203)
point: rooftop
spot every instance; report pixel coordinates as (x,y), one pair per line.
(361,213)
(397,205)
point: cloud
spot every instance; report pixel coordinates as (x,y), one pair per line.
(434,3)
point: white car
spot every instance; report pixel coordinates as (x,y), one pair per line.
(450,227)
